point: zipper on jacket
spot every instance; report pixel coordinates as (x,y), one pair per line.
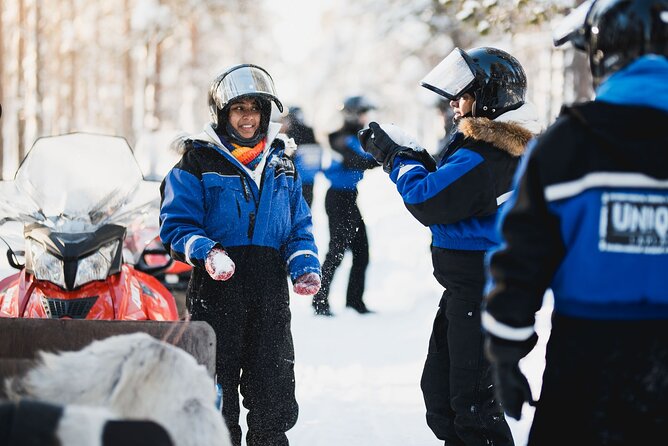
(251,225)
(264,170)
(245,186)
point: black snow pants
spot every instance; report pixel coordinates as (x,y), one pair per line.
(307,192)
(346,231)
(605,384)
(457,382)
(250,314)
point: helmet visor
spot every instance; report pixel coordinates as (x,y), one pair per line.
(242,81)
(571,27)
(451,77)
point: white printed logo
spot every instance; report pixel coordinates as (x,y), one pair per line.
(634,223)
(135,294)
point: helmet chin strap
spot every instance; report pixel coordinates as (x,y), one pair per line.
(236,138)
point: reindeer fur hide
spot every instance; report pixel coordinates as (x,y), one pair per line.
(133,376)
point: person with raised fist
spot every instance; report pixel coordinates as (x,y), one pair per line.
(459,199)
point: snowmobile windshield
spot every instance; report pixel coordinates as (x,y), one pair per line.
(77,183)
(451,77)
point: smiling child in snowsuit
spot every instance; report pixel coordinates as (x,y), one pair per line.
(233,208)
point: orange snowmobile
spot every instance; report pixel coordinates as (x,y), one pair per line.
(66,216)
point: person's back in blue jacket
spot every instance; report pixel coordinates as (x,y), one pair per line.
(589,221)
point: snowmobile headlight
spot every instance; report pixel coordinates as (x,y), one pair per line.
(96,266)
(45,265)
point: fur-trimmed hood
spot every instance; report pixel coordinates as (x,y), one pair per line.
(509,132)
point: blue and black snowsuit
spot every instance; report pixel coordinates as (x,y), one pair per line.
(261,219)
(307,158)
(459,202)
(346,226)
(590,222)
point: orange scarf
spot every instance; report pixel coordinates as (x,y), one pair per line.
(249,156)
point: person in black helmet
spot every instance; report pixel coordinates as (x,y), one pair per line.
(589,220)
(308,156)
(347,230)
(232,207)
(459,199)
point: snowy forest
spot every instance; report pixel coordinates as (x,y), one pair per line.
(133,67)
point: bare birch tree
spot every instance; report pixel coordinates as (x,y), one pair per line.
(2,96)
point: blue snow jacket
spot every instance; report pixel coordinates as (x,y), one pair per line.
(308,157)
(589,219)
(349,160)
(460,200)
(210,199)
(308,161)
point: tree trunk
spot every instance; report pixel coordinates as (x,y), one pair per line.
(20,84)
(128,90)
(582,81)
(39,99)
(72,57)
(157,84)
(2,75)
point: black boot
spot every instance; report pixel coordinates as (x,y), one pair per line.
(321,307)
(360,307)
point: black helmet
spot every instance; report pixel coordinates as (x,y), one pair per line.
(353,108)
(616,32)
(495,78)
(357,105)
(245,80)
(295,114)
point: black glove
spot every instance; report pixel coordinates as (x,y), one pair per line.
(512,387)
(378,144)
(418,155)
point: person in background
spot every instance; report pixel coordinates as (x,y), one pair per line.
(589,220)
(232,207)
(347,230)
(459,199)
(308,156)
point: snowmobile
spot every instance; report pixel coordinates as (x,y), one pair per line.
(149,254)
(175,277)
(74,201)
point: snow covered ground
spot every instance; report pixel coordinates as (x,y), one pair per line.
(358,375)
